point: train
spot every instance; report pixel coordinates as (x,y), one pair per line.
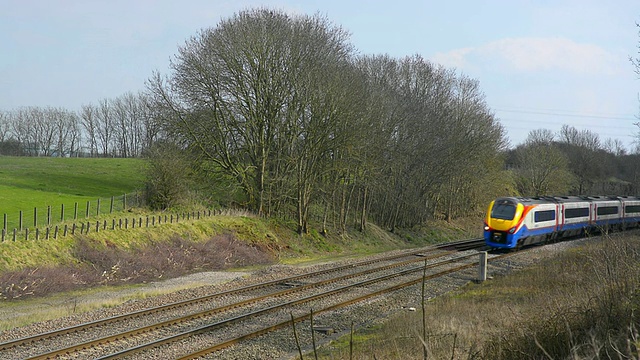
(515,222)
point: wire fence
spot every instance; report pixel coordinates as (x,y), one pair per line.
(87,226)
(50,215)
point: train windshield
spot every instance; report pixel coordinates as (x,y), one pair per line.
(503,210)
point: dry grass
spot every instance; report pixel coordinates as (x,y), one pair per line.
(582,304)
(112,265)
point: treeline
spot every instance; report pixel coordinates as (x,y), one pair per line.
(120,127)
(284,107)
(573,162)
(280,115)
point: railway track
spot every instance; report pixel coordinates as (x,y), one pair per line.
(221,318)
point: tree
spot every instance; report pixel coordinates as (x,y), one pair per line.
(541,167)
(168,176)
(255,86)
(89,121)
(105,127)
(636,61)
(636,65)
(583,150)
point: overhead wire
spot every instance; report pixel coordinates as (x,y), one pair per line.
(616,122)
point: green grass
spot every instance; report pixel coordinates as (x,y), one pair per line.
(28,183)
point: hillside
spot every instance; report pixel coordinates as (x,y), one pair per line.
(27,183)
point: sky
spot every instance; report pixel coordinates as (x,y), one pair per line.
(541,64)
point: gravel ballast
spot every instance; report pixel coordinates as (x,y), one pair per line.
(278,345)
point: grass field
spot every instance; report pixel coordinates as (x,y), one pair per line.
(28,183)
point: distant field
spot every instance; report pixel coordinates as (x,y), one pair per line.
(27,183)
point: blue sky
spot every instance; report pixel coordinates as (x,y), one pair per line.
(541,64)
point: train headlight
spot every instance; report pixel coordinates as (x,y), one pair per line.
(486,227)
(512,230)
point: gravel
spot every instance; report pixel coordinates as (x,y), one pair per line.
(279,344)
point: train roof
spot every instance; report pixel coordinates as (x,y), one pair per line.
(566,199)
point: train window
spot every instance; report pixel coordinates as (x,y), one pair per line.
(607,210)
(632,209)
(574,213)
(540,216)
(504,211)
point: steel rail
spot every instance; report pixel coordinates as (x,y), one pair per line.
(175,321)
(236,340)
(207,328)
(101,322)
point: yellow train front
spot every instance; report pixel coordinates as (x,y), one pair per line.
(501,222)
(507,224)
(513,222)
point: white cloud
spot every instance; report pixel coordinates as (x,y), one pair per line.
(534,54)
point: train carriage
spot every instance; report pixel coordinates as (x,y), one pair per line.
(513,222)
(576,215)
(607,212)
(630,211)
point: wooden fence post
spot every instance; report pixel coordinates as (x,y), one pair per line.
(98,208)
(111,206)
(4,233)
(20,221)
(35,217)
(86,214)
(75,211)
(49,215)
(62,213)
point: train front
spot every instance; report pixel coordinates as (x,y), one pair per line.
(501,223)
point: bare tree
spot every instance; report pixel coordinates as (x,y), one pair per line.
(614,146)
(546,136)
(4,126)
(105,127)
(636,61)
(636,66)
(65,131)
(89,121)
(541,167)
(582,148)
(248,86)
